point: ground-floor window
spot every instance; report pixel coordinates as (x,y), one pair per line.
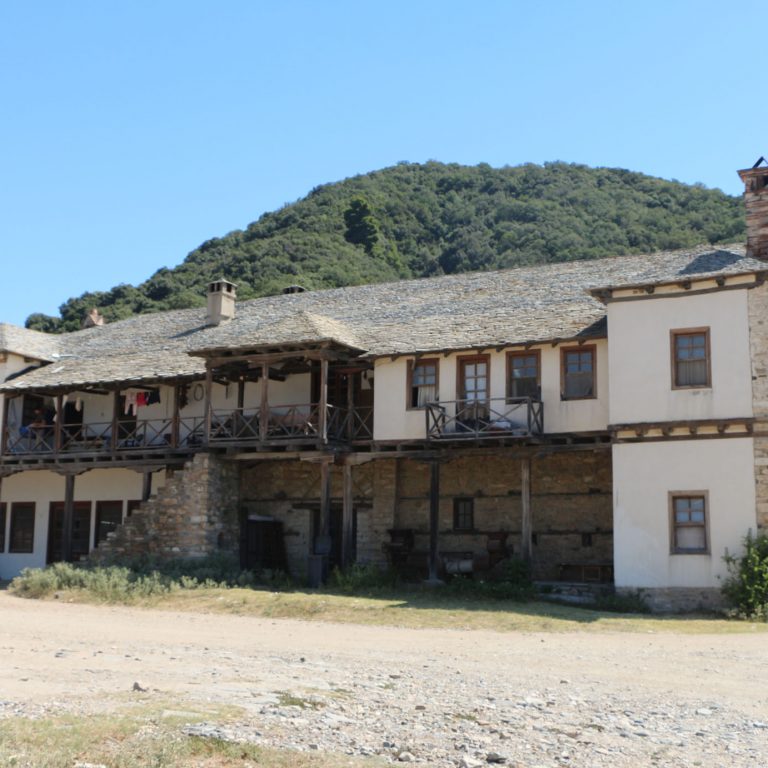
(463,514)
(688,511)
(109,514)
(22,531)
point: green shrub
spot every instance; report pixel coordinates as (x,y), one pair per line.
(509,580)
(746,587)
(360,578)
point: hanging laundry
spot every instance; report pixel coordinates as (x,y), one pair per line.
(130,403)
(78,404)
(153,397)
(141,399)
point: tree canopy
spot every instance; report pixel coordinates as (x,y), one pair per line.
(415,220)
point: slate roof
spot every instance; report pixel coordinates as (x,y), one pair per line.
(473,310)
(22,341)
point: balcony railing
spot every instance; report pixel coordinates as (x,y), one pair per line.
(240,426)
(97,437)
(484,419)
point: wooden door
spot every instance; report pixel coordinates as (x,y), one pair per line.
(81,530)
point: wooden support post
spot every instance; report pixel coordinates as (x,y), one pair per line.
(241,393)
(347,519)
(264,405)
(57,426)
(115,420)
(351,406)
(526,527)
(146,486)
(323,405)
(66,525)
(4,441)
(325,498)
(208,402)
(176,418)
(434,519)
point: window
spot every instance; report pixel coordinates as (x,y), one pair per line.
(422,382)
(463,514)
(689,522)
(577,370)
(523,374)
(2,527)
(109,514)
(690,358)
(21,538)
(473,378)
(132,506)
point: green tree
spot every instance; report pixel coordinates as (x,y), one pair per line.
(362,227)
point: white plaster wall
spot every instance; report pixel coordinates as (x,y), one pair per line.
(43,487)
(394,421)
(643,476)
(640,358)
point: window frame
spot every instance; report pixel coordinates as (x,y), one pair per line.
(673,335)
(461,361)
(15,506)
(3,523)
(592,349)
(99,508)
(536,353)
(412,364)
(673,524)
(457,513)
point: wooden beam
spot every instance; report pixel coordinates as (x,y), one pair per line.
(66,526)
(350,406)
(434,519)
(325,500)
(57,424)
(526,543)
(176,418)
(240,393)
(323,405)
(146,485)
(115,420)
(347,518)
(208,402)
(4,440)
(264,406)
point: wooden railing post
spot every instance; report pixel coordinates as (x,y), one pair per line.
(264,405)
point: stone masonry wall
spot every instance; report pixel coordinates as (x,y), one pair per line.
(193,515)
(289,491)
(571,498)
(758,338)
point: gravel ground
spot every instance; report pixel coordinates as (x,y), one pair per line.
(443,698)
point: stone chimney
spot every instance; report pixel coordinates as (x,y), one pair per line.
(756,204)
(92,319)
(221,302)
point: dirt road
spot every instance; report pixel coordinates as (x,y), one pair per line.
(438,697)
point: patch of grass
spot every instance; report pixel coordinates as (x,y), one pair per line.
(461,605)
(288,699)
(139,738)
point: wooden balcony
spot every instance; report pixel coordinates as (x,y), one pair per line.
(488,419)
(240,427)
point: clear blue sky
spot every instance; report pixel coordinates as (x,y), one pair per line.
(131,132)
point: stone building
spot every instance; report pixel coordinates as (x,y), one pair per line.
(603,420)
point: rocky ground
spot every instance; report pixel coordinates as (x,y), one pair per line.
(442,698)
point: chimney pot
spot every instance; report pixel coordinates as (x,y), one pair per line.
(92,319)
(221,301)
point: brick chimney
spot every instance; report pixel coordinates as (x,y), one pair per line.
(221,302)
(756,204)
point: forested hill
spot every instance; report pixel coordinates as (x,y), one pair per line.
(419,220)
